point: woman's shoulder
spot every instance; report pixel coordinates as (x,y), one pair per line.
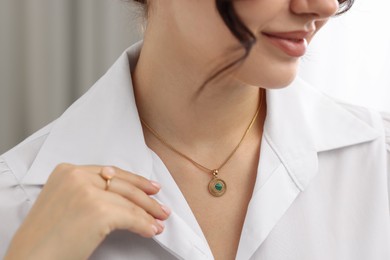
(380,120)
(340,114)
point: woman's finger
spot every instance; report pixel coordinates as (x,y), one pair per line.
(126,184)
(105,200)
(138,197)
(148,186)
(133,219)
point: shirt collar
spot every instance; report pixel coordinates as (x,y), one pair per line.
(302,122)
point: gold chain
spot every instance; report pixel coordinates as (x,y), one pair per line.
(199,166)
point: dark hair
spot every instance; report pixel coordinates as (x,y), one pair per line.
(241,32)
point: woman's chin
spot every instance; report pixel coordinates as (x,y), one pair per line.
(281,82)
(270,80)
(268,73)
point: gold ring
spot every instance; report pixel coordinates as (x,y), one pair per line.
(107,177)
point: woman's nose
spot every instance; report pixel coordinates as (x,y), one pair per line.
(319,9)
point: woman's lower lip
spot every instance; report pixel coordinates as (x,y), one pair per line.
(294,48)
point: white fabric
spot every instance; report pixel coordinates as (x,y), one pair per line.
(321,190)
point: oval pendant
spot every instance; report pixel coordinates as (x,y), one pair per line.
(217,187)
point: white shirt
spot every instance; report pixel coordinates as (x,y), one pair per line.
(322,190)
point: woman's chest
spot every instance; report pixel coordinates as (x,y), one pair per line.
(220,218)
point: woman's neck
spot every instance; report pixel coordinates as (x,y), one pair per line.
(166,83)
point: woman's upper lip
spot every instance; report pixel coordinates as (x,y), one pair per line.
(294,35)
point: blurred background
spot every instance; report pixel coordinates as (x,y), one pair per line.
(52,51)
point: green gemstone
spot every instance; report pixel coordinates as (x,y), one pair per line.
(218,186)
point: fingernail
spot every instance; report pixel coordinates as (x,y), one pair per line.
(155,184)
(155,229)
(166,209)
(161,224)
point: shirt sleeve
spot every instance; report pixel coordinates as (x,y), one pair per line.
(14,205)
(386,121)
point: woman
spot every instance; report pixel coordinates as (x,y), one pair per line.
(191,139)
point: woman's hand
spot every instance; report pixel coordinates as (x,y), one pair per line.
(74,213)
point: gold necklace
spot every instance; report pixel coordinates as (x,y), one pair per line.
(217,187)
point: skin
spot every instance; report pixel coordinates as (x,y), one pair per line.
(177,56)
